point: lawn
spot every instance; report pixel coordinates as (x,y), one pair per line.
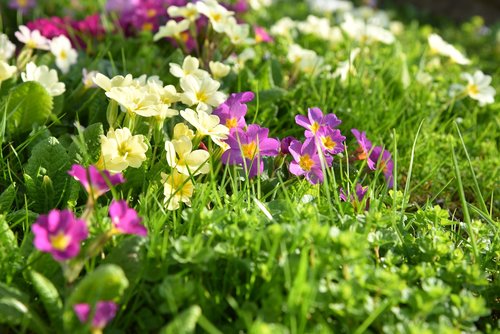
(249,166)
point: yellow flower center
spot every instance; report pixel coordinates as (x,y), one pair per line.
(60,241)
(31,44)
(147,26)
(314,127)
(249,150)
(151,12)
(22,3)
(216,17)
(63,55)
(184,36)
(231,122)
(328,143)
(201,96)
(124,150)
(472,89)
(305,162)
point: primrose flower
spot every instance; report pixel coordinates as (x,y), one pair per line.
(283,27)
(384,162)
(246,148)
(360,193)
(135,100)
(88,78)
(201,92)
(439,46)
(172,29)
(22,5)
(347,67)
(59,233)
(65,55)
(7,48)
(217,14)
(316,120)
(105,311)
(232,111)
(330,140)
(362,31)
(32,39)
(190,66)
(176,188)
(237,33)
(478,87)
(180,155)
(119,150)
(118,81)
(6,71)
(306,161)
(125,219)
(181,129)
(261,35)
(96,182)
(188,12)
(285,144)
(364,148)
(45,77)
(207,125)
(218,69)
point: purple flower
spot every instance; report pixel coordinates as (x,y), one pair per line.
(248,147)
(232,111)
(94,181)
(285,144)
(360,194)
(59,233)
(261,35)
(364,148)
(51,27)
(24,6)
(105,311)
(125,220)
(315,120)
(121,6)
(331,140)
(384,162)
(307,160)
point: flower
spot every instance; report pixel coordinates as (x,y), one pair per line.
(176,188)
(217,14)
(125,219)
(232,111)
(247,148)
(88,78)
(47,78)
(315,120)
(59,233)
(65,55)
(330,140)
(360,193)
(118,81)
(172,29)
(384,162)
(364,148)
(51,27)
(189,12)
(283,27)
(478,87)
(347,67)
(32,39)
(285,144)
(218,69)
(362,31)
(307,61)
(181,129)
(330,6)
(207,125)
(6,71)
(7,48)
(440,46)
(307,161)
(201,92)
(95,181)
(190,66)
(261,35)
(22,5)
(237,33)
(105,311)
(180,155)
(119,150)
(136,100)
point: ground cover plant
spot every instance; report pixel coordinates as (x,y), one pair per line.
(246,167)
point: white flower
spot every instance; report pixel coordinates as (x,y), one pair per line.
(119,150)
(180,155)
(118,81)
(88,78)
(207,125)
(315,26)
(135,100)
(189,12)
(218,69)
(190,66)
(216,13)
(306,60)
(172,29)
(6,71)
(330,6)
(237,33)
(347,67)
(32,39)
(47,78)
(440,46)
(176,188)
(7,48)
(238,61)
(283,27)
(202,92)
(361,31)
(181,129)
(65,55)
(478,87)
(258,4)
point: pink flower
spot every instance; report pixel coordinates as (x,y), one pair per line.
(306,161)
(330,140)
(125,220)
(94,181)
(261,35)
(59,233)
(105,311)
(232,111)
(316,120)
(384,162)
(364,148)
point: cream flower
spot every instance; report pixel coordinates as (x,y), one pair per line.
(47,78)
(118,81)
(306,60)
(347,67)
(239,61)
(238,33)
(361,31)
(65,55)
(172,29)
(283,27)
(478,87)
(190,66)
(32,39)
(119,150)
(216,13)
(188,12)
(207,125)
(176,188)
(201,92)
(258,4)
(181,129)
(88,78)
(218,69)
(439,46)
(7,48)
(180,155)
(136,100)
(6,71)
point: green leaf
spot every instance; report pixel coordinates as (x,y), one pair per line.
(128,255)
(8,241)
(49,297)
(184,323)
(13,308)
(27,104)
(8,197)
(86,147)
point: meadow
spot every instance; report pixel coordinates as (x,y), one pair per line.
(245,166)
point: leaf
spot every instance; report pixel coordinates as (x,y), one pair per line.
(7,198)
(8,241)
(27,104)
(49,296)
(271,95)
(13,309)
(184,323)
(128,255)
(86,147)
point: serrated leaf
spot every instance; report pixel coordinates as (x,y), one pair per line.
(49,297)
(27,104)
(184,323)
(7,198)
